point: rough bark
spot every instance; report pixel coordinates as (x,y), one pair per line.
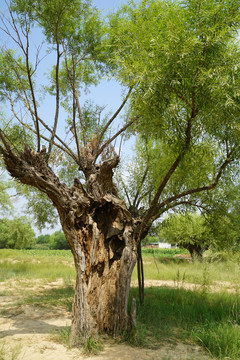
(140,274)
(102,236)
(105,254)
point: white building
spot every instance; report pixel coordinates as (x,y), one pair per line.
(160,245)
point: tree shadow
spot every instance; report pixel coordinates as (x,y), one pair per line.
(27,326)
(40,313)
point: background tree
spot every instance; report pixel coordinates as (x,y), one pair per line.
(141,181)
(188,231)
(197,233)
(58,241)
(16,233)
(179,65)
(43,242)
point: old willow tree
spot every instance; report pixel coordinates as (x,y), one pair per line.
(179,65)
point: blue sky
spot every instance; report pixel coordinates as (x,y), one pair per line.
(108,4)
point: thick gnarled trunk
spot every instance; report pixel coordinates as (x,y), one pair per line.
(104,252)
(101,233)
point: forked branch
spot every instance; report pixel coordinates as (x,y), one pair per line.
(106,127)
(125,127)
(196,190)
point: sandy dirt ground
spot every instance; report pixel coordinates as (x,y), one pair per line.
(28,332)
(218,286)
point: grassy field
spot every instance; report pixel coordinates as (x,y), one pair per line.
(49,265)
(208,315)
(170,264)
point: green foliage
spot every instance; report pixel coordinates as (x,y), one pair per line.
(177,48)
(43,239)
(191,231)
(182,229)
(196,168)
(77,25)
(73,31)
(150,239)
(224,216)
(5,200)
(40,208)
(184,57)
(43,242)
(58,241)
(73,21)
(16,233)
(9,82)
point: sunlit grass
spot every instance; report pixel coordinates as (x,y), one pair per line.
(38,264)
(209,319)
(22,254)
(157,267)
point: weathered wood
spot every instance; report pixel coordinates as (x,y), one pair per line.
(105,255)
(102,236)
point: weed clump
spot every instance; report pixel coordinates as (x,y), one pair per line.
(92,346)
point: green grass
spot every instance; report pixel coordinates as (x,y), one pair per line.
(57,297)
(10,354)
(162,266)
(62,336)
(92,346)
(163,252)
(22,254)
(36,264)
(209,319)
(2,352)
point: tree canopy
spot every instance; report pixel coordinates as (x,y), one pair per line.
(187,96)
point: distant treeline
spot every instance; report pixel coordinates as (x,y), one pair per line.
(17,233)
